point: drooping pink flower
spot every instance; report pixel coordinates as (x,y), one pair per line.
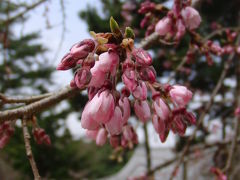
(191,17)
(102,106)
(101,137)
(87,121)
(159,124)
(98,76)
(114,141)
(108,62)
(142,57)
(92,134)
(163,26)
(238,49)
(148,74)
(115,124)
(129,79)
(161,109)
(140,92)
(142,110)
(125,106)
(180,95)
(82,49)
(82,77)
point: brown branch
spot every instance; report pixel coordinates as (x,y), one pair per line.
(29,153)
(205,111)
(27,100)
(27,8)
(38,106)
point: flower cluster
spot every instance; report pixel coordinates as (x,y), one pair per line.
(111,59)
(6,131)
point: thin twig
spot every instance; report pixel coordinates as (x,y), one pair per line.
(236,123)
(29,153)
(147,147)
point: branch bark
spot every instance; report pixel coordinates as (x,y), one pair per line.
(29,153)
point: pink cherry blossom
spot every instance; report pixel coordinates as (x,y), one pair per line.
(129,79)
(140,92)
(163,26)
(108,62)
(142,110)
(82,49)
(180,95)
(98,76)
(142,57)
(161,109)
(191,17)
(101,137)
(82,77)
(115,124)
(92,134)
(125,106)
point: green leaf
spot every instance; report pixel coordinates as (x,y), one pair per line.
(115,28)
(129,33)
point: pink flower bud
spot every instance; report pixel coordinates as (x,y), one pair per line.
(163,136)
(125,106)
(128,132)
(142,57)
(148,74)
(115,124)
(129,79)
(87,121)
(159,124)
(101,137)
(140,92)
(92,134)
(161,109)
(191,17)
(98,110)
(180,95)
(108,62)
(142,110)
(82,49)
(98,76)
(163,26)
(82,77)
(67,62)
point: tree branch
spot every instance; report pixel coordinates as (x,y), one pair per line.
(38,106)
(27,137)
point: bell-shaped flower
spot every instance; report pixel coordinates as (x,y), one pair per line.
(115,124)
(129,79)
(164,26)
(140,92)
(191,17)
(142,110)
(108,62)
(82,77)
(180,95)
(142,57)
(126,108)
(101,137)
(161,109)
(98,76)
